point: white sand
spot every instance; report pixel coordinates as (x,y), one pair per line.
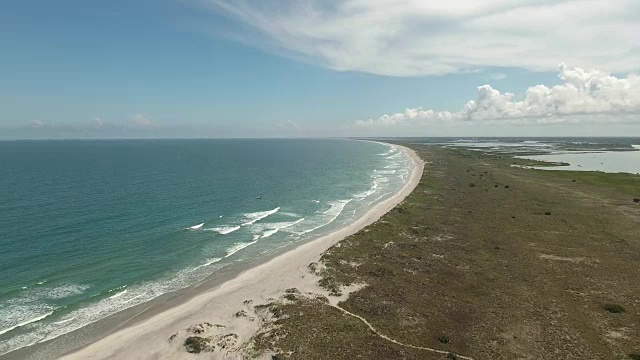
(149,339)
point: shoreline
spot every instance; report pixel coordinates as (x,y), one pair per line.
(484,261)
(146,334)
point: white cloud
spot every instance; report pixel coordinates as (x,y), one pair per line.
(96,122)
(497,76)
(37,124)
(140,121)
(415,37)
(584,96)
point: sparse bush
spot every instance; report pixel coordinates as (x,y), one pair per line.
(452,356)
(443,339)
(198,344)
(472,185)
(636,200)
(634,356)
(547,213)
(276,311)
(614,308)
(506,186)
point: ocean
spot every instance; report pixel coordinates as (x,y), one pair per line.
(89,229)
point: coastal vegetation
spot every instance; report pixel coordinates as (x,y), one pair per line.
(198,344)
(484,271)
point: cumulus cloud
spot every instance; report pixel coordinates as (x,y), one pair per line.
(36,124)
(583,96)
(140,120)
(96,122)
(414,37)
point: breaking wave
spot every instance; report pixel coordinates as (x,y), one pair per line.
(26,322)
(224,230)
(257,216)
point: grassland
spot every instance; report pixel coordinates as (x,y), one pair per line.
(485,261)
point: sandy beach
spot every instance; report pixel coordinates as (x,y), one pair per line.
(228,308)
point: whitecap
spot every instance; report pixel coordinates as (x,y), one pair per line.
(26,322)
(367,193)
(117,295)
(238,246)
(63,321)
(269,233)
(55,293)
(257,216)
(323,218)
(196,227)
(223,230)
(208,262)
(289,214)
(134,298)
(117,288)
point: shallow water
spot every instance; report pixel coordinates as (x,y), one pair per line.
(613,155)
(611,161)
(89,228)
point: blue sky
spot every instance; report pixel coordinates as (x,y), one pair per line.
(172,68)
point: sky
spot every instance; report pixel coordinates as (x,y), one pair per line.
(317,68)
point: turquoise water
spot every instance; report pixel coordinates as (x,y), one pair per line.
(89,228)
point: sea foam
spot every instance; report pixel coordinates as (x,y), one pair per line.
(239,246)
(26,322)
(257,216)
(224,230)
(322,219)
(242,229)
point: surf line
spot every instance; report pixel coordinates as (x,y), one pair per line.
(3,331)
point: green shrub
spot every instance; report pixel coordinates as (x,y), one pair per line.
(614,308)
(197,344)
